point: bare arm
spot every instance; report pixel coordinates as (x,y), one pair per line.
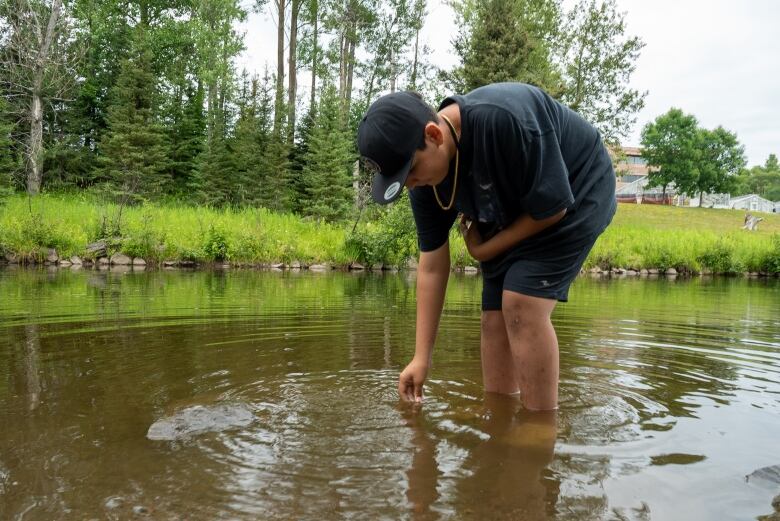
(432,274)
(524,226)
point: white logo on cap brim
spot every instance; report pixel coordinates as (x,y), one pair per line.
(392,190)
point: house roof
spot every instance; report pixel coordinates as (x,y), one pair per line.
(748,196)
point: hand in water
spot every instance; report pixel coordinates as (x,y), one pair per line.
(411,380)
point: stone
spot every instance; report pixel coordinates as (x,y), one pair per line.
(12,258)
(170,263)
(652,271)
(277,266)
(187,264)
(103,261)
(318,267)
(643,271)
(356,266)
(75,260)
(140,510)
(296,265)
(378,267)
(138,261)
(631,273)
(200,419)
(120,259)
(51,256)
(595,270)
(411,264)
(96,249)
(671,271)
(471,270)
(65,263)
(706,271)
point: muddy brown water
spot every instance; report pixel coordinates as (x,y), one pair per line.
(248,395)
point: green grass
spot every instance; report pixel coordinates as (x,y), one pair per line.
(646,236)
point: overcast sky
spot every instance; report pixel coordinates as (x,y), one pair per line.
(718,60)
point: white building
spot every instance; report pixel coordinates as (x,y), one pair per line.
(753,203)
(712,201)
(637,192)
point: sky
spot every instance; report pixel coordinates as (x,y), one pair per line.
(718,60)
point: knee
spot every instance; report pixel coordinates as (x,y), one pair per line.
(491,322)
(523,316)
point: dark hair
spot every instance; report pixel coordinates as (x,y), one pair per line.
(434,116)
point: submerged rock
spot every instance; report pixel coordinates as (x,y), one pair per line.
(770,474)
(200,419)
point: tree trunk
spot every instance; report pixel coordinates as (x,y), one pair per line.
(414,63)
(281,6)
(35,147)
(350,75)
(343,65)
(315,36)
(392,71)
(35,152)
(292,71)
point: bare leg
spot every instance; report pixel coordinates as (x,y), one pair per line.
(498,368)
(534,348)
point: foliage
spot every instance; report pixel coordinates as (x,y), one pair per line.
(134,147)
(391,239)
(721,158)
(327,192)
(695,160)
(762,180)
(598,60)
(669,144)
(506,40)
(641,236)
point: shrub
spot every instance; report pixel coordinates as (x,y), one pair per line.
(718,258)
(215,245)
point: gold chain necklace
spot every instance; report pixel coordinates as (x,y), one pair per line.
(457,154)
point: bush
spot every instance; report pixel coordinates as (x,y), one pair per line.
(392,239)
(215,245)
(718,258)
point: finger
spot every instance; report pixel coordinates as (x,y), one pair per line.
(418,392)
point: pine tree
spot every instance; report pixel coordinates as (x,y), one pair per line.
(249,139)
(8,160)
(326,166)
(186,133)
(213,176)
(134,162)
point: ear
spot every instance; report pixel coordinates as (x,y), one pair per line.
(433,132)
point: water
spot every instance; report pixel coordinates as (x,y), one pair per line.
(246,395)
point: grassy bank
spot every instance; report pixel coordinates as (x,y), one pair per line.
(687,239)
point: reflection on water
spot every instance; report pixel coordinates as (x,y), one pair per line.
(272,396)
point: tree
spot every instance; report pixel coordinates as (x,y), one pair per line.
(670,147)
(35,70)
(721,159)
(762,180)
(8,160)
(134,162)
(598,60)
(327,163)
(505,40)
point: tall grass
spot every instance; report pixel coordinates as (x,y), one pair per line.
(687,239)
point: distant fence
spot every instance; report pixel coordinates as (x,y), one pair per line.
(646,199)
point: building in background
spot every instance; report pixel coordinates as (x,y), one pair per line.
(632,170)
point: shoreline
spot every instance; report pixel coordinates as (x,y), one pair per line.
(105,264)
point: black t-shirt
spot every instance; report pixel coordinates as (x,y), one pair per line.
(521,152)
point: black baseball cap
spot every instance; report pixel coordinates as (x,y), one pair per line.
(390,133)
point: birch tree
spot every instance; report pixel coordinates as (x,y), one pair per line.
(36,72)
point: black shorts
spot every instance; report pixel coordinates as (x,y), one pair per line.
(546,276)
